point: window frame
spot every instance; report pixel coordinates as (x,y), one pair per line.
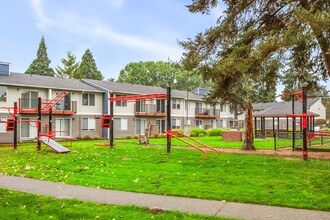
(121,103)
(176,104)
(5,94)
(89,122)
(88,99)
(2,120)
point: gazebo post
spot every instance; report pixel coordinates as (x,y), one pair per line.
(293,127)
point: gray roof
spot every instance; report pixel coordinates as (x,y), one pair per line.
(281,109)
(263,106)
(38,81)
(127,88)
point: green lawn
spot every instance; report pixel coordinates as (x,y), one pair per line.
(15,205)
(240,178)
(260,144)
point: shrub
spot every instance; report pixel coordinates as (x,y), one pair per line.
(87,137)
(201,135)
(214,132)
(196,131)
(128,137)
(320,121)
(96,137)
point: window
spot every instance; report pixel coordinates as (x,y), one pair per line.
(140,126)
(176,123)
(121,124)
(29,99)
(63,127)
(65,103)
(28,130)
(213,123)
(199,108)
(223,108)
(88,124)
(140,106)
(121,103)
(3,94)
(88,99)
(161,123)
(3,124)
(175,104)
(199,123)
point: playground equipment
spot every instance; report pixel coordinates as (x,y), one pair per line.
(302,98)
(169,132)
(176,134)
(43,107)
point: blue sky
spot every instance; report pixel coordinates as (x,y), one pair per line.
(116,31)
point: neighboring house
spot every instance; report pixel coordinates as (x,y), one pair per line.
(278,110)
(72,117)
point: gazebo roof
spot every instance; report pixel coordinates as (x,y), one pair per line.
(280,109)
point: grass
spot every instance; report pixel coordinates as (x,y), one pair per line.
(260,144)
(239,178)
(15,205)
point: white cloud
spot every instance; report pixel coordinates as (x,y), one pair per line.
(116,3)
(94,30)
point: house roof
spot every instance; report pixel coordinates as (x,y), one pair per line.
(38,81)
(280,109)
(127,88)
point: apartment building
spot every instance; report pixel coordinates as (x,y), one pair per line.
(187,108)
(73,116)
(76,115)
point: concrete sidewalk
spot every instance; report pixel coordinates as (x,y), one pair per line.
(198,206)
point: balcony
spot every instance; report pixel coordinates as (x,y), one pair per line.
(30,106)
(149,110)
(207,113)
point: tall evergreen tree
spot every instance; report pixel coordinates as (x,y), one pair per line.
(253,42)
(87,68)
(40,65)
(70,67)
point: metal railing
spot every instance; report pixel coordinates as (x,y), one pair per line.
(207,112)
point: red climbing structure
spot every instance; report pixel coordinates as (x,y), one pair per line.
(302,97)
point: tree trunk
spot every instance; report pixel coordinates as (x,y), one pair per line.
(249,140)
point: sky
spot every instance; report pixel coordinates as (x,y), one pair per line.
(117,32)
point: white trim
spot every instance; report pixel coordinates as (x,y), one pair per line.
(5,119)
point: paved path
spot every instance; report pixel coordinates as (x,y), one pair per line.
(199,206)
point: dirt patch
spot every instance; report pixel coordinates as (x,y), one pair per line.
(282,152)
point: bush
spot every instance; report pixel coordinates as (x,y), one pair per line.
(196,131)
(128,137)
(320,122)
(201,135)
(87,137)
(96,137)
(214,132)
